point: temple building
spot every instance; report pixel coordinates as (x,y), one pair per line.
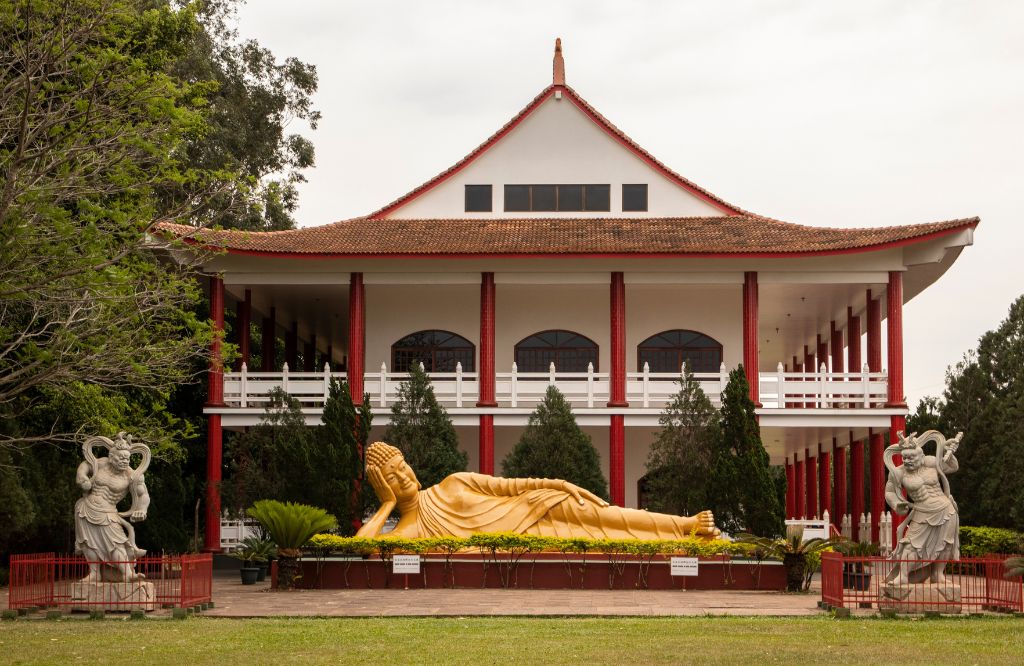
(561,252)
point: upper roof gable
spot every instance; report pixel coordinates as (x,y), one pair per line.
(559,91)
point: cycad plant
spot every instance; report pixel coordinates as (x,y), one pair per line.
(290,526)
(1014,567)
(794,553)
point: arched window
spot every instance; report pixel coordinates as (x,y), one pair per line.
(668,350)
(570,352)
(438,351)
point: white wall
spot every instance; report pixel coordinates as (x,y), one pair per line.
(394,311)
(557,144)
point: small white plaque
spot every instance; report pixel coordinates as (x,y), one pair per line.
(405,564)
(684,566)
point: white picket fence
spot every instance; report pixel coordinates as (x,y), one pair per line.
(644,390)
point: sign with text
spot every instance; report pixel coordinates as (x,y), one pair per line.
(405,564)
(684,566)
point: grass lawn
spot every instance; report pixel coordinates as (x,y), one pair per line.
(720,640)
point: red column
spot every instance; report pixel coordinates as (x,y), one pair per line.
(838,482)
(268,346)
(800,507)
(356,336)
(877,445)
(291,347)
(790,489)
(857,484)
(242,322)
(852,341)
(309,354)
(215,397)
(812,484)
(617,427)
(894,326)
(486,374)
(836,339)
(876,441)
(809,369)
(330,356)
(750,346)
(824,489)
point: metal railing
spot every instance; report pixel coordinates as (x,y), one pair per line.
(589,389)
(45,580)
(970,584)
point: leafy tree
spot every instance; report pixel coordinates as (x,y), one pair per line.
(679,462)
(744,495)
(422,430)
(340,454)
(553,446)
(927,416)
(984,399)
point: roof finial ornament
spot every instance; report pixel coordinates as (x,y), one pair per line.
(559,65)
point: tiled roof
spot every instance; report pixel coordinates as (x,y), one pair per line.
(597,118)
(727,235)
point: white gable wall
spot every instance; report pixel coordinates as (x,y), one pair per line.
(557,144)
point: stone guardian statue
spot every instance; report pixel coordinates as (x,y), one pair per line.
(104,535)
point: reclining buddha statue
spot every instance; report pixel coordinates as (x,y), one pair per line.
(466,503)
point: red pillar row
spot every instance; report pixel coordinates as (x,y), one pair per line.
(356,336)
(857,484)
(812,484)
(215,397)
(822,354)
(852,341)
(836,340)
(268,337)
(791,489)
(800,507)
(824,489)
(750,341)
(486,374)
(839,482)
(617,428)
(243,323)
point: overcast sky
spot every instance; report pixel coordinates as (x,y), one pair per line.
(865,113)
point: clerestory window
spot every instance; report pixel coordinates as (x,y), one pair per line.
(557,198)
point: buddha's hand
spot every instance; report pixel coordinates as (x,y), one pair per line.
(384,492)
(706,524)
(583,495)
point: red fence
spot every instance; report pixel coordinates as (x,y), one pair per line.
(169,581)
(971,584)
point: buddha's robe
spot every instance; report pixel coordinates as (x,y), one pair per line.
(467,503)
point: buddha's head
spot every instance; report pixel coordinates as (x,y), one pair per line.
(397,473)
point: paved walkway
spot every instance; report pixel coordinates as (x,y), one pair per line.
(232,599)
(235,600)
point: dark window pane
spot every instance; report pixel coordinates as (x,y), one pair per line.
(543,198)
(478,198)
(598,197)
(570,352)
(668,350)
(634,197)
(570,197)
(517,197)
(438,351)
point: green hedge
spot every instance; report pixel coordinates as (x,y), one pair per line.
(976,541)
(505,542)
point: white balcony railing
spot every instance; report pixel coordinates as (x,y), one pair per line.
(644,390)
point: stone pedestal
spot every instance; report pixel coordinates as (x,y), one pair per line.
(137,595)
(921,598)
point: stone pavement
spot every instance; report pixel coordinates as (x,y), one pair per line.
(235,600)
(232,599)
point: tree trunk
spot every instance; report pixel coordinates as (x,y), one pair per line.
(795,565)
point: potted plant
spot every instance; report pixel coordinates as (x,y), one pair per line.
(265,550)
(794,553)
(290,526)
(855,575)
(250,558)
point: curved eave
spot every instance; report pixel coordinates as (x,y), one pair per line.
(767,254)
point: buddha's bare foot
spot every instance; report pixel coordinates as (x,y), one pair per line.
(706,524)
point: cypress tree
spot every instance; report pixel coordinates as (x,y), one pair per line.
(423,431)
(342,442)
(679,461)
(744,494)
(553,446)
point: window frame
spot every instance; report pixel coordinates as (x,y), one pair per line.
(584,189)
(468,362)
(646,192)
(490,199)
(680,351)
(558,351)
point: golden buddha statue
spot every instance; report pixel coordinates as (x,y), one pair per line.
(466,503)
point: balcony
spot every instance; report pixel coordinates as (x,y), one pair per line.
(783,394)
